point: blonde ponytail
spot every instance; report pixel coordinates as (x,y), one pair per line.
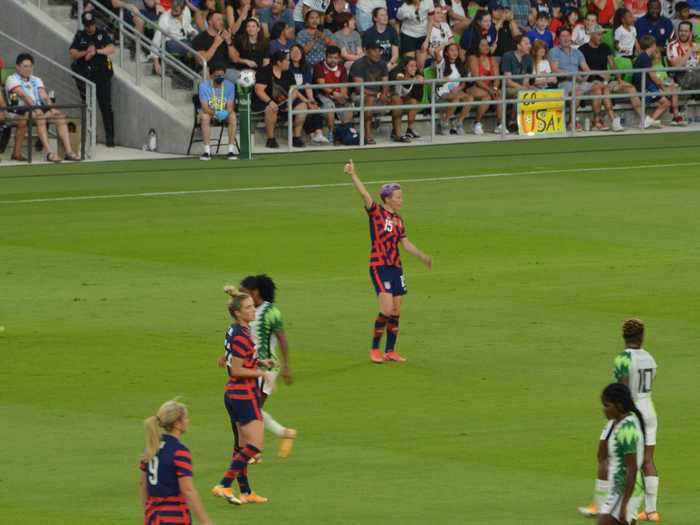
(236,299)
(169,413)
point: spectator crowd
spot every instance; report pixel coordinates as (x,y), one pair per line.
(368,41)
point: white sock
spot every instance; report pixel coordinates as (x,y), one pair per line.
(651,492)
(601,492)
(206,148)
(230,148)
(272,425)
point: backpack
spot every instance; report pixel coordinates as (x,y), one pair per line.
(347,135)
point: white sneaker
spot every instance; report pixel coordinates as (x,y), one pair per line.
(500,129)
(651,123)
(478,128)
(617,125)
(319,139)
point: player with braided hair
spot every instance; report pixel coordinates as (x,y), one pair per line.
(636,368)
(625,445)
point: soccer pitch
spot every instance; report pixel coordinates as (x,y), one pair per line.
(112,303)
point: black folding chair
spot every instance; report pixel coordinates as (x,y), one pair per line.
(214,123)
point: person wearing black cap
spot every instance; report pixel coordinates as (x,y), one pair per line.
(90,51)
(371,68)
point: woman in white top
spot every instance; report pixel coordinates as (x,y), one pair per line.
(626,34)
(416,17)
(441,32)
(451,68)
(538,52)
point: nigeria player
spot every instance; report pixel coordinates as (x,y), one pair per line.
(636,368)
(268,335)
(625,457)
(387,231)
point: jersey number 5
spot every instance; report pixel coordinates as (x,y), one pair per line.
(153,471)
(646,376)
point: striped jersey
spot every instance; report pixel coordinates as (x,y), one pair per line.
(639,368)
(626,438)
(268,320)
(239,344)
(173,461)
(386,229)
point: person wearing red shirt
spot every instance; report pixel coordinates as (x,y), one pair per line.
(331,71)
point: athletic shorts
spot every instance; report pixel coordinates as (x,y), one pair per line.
(243,411)
(652,88)
(410,44)
(613,504)
(651,424)
(388,279)
(267,386)
(166,511)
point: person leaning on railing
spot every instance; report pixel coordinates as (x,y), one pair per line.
(30,91)
(272,85)
(90,51)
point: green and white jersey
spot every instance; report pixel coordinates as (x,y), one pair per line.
(639,367)
(626,438)
(268,320)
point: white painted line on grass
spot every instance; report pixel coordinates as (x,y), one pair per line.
(344,184)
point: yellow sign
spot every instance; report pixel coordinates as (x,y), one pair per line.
(540,113)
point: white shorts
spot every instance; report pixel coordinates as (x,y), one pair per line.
(651,424)
(612,506)
(268,386)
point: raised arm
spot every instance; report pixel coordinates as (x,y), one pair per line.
(413,250)
(350,170)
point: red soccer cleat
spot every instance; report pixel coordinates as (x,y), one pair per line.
(375,356)
(394,356)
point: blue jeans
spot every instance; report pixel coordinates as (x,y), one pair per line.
(175,47)
(364,20)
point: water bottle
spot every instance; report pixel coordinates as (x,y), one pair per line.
(587,124)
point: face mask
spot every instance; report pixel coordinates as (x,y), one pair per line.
(218,79)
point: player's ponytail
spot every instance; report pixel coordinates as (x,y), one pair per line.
(169,413)
(236,299)
(619,394)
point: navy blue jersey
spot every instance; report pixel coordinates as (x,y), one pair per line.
(172,461)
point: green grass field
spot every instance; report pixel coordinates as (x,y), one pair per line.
(113,305)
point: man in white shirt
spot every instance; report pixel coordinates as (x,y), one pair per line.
(29,91)
(683,52)
(176,22)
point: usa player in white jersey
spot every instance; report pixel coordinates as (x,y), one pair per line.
(636,368)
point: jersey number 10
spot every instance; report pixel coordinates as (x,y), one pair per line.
(646,376)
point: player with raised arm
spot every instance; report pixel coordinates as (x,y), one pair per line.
(625,457)
(242,398)
(387,231)
(636,368)
(268,335)
(167,491)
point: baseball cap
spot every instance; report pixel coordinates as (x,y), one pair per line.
(681,5)
(495,6)
(373,44)
(595,29)
(88,18)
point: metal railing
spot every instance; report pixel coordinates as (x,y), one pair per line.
(139,41)
(571,98)
(63,82)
